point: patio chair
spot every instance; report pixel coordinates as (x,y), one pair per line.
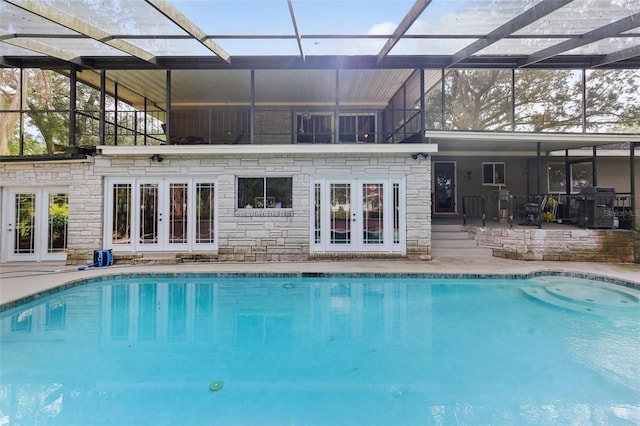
(237,139)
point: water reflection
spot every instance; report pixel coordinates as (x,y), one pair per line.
(423,352)
(72,350)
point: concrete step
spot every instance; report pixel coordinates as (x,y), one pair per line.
(442,227)
(457,244)
(437,235)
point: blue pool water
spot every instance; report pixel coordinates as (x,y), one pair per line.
(323,351)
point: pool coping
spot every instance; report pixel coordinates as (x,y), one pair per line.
(415,275)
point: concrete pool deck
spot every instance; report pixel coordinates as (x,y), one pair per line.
(19,280)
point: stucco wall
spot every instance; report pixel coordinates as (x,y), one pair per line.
(470,184)
(612,172)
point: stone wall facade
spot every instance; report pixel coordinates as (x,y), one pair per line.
(85,198)
(243,234)
(571,244)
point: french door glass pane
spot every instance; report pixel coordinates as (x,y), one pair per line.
(149,213)
(205,213)
(178,213)
(317,213)
(340,213)
(25,224)
(58,221)
(373,214)
(396,213)
(121,231)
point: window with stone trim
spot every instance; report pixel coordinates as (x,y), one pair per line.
(265,192)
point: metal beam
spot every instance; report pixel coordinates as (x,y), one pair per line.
(36,46)
(533,14)
(610,30)
(570,62)
(295,28)
(632,173)
(73,105)
(414,13)
(618,56)
(57,16)
(178,18)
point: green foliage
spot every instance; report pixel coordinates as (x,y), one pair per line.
(341,214)
(545,100)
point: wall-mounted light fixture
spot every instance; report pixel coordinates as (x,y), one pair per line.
(469,175)
(420,155)
(156,157)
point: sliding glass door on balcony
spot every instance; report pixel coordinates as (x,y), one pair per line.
(160,215)
(358,215)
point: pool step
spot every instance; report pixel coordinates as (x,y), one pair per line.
(552,296)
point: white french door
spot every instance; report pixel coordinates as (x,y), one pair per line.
(358,215)
(36,224)
(160,215)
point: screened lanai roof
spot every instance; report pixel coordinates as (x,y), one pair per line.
(284,34)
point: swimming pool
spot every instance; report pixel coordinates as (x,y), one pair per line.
(325,350)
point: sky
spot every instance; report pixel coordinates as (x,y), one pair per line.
(223,19)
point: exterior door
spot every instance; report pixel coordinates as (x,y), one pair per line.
(358,215)
(160,215)
(444,184)
(36,225)
(163,222)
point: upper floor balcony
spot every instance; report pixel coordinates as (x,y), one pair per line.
(63,111)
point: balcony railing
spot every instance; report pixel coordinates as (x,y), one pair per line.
(232,126)
(587,211)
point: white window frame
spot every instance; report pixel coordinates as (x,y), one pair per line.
(493,174)
(264,192)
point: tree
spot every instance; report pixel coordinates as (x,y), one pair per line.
(45,97)
(478,99)
(9,102)
(545,100)
(612,101)
(48,105)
